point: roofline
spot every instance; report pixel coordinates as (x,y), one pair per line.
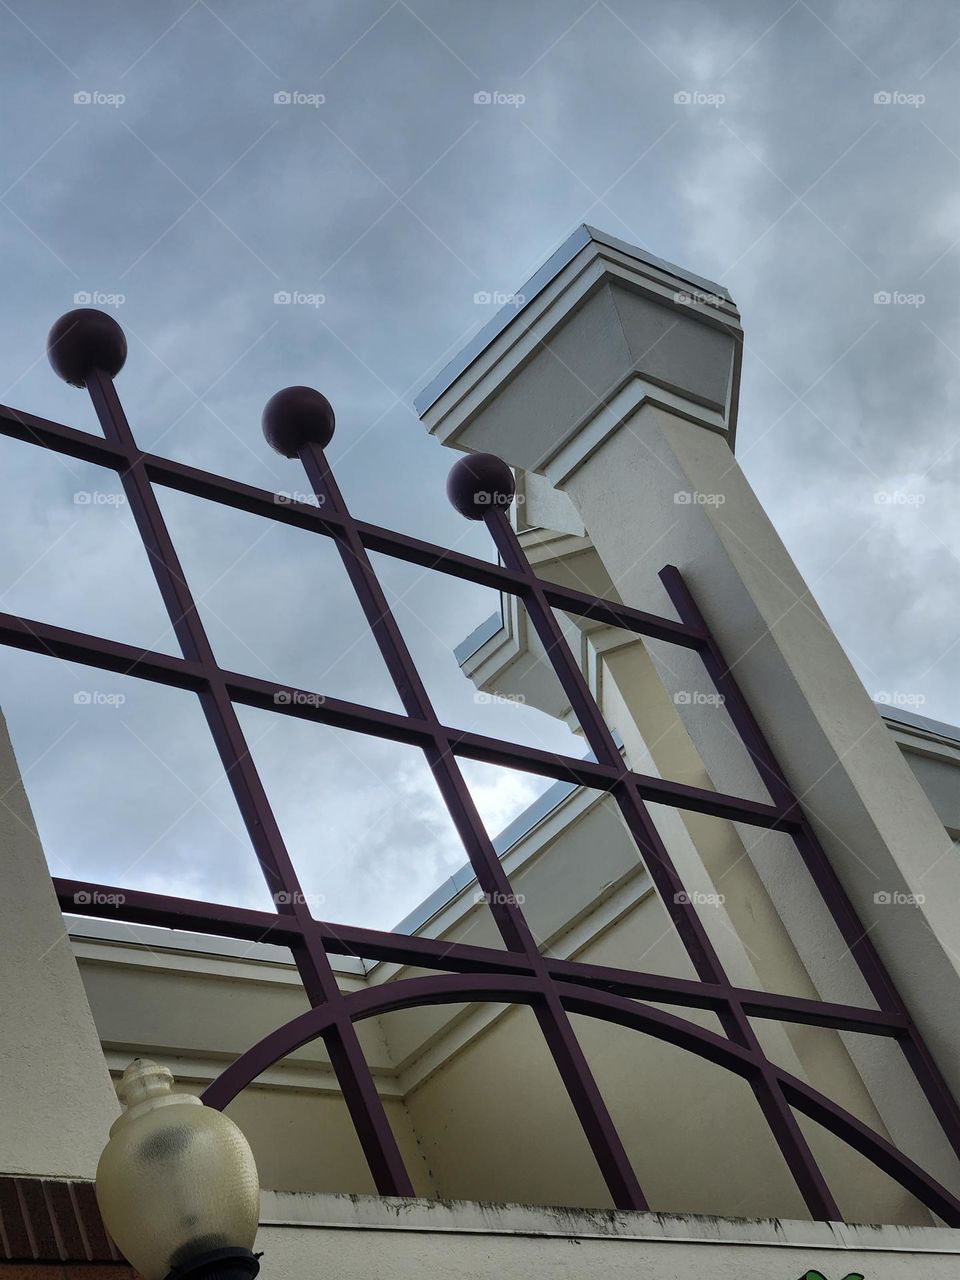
(542,277)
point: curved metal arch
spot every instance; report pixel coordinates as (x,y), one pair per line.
(410,993)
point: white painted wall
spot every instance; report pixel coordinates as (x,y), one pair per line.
(56,1101)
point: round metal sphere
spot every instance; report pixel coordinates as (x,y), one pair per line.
(84,340)
(480,483)
(297,416)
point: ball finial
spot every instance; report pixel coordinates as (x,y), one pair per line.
(480,483)
(297,416)
(84,340)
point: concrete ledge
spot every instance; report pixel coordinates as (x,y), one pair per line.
(461,1238)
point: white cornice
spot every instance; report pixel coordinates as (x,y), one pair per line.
(598,263)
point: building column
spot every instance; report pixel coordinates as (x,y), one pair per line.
(617,381)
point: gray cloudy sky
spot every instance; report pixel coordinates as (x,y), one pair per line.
(198,197)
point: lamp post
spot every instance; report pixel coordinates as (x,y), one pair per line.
(177,1184)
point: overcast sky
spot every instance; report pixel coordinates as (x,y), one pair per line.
(185,197)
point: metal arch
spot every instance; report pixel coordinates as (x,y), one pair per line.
(437,989)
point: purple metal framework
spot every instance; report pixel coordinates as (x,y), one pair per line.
(87,348)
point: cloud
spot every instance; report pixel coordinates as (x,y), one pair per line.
(397,199)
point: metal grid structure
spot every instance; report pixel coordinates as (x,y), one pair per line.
(88,348)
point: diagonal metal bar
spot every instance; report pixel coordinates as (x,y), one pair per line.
(554,1023)
(815,859)
(359,1091)
(780,1118)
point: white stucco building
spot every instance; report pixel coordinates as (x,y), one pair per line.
(613,391)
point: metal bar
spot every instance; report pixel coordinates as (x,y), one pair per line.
(781,1120)
(243,497)
(578,1080)
(551,987)
(75,646)
(363,1101)
(111,902)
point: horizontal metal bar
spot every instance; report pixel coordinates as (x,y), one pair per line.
(133,906)
(94,651)
(304,515)
(690,993)
(100,901)
(67,440)
(145,664)
(623,616)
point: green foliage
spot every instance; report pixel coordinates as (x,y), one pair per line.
(818,1275)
